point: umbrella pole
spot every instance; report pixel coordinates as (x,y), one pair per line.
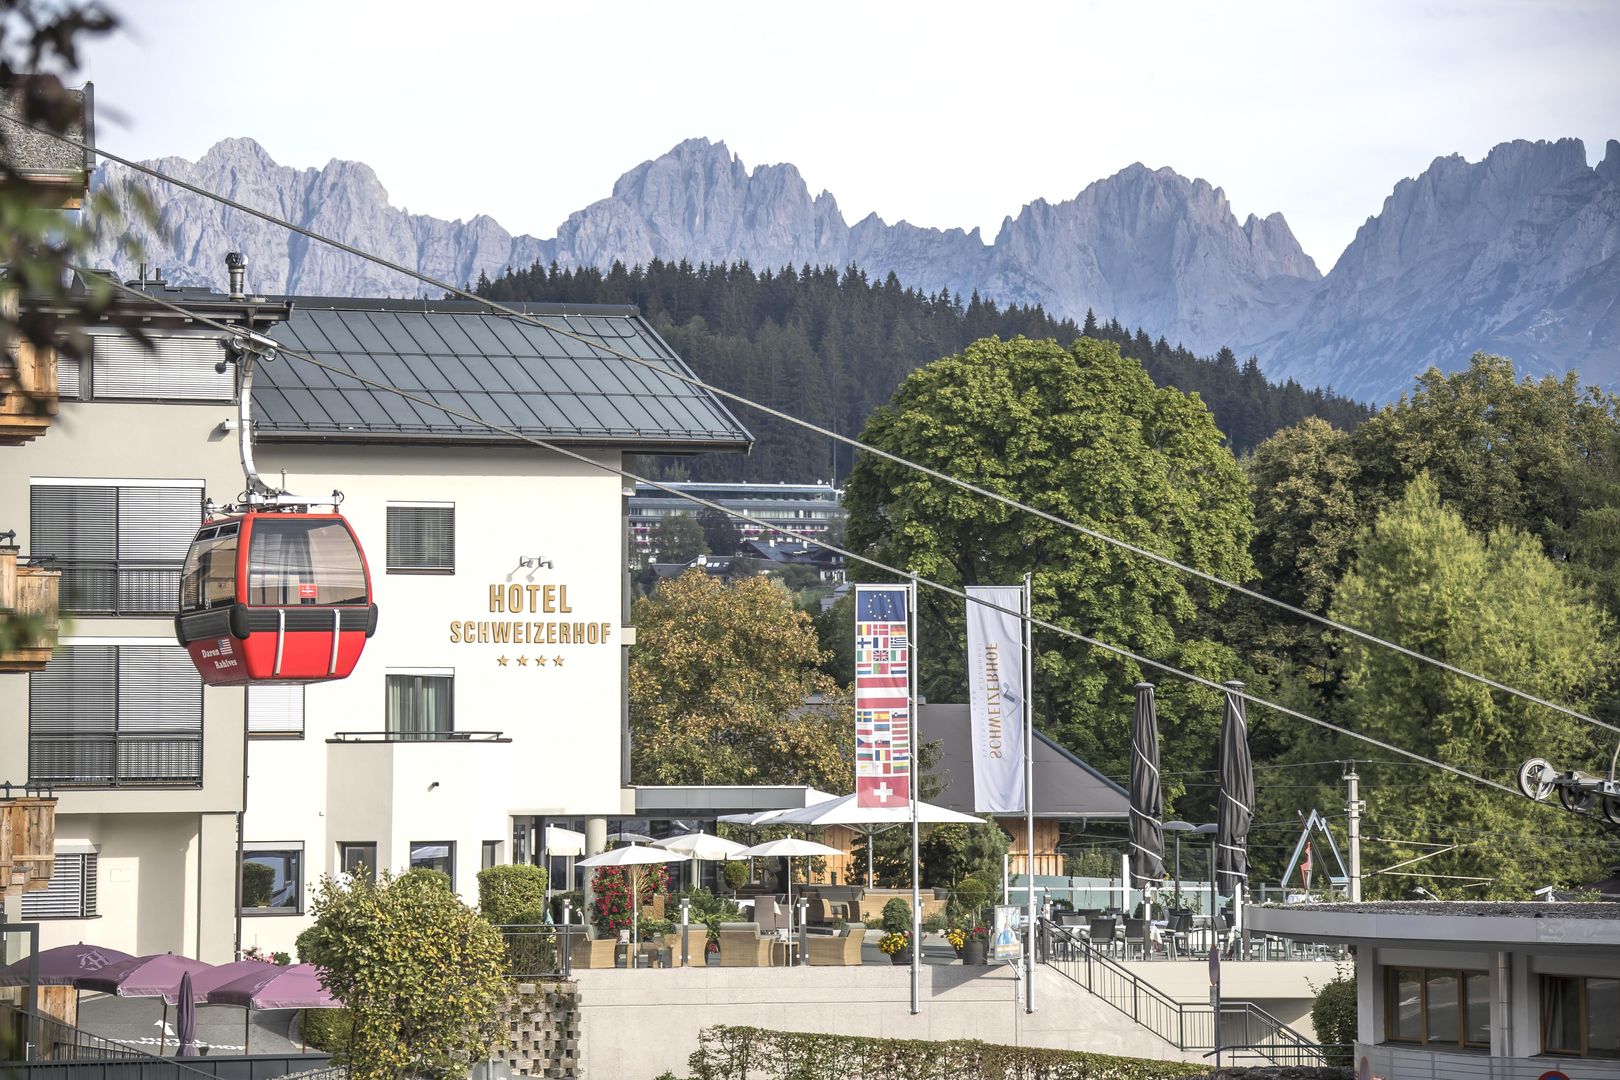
(635,916)
(871,838)
(790,910)
(163,1029)
(247,1030)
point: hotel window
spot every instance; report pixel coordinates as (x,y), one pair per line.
(422,538)
(272,879)
(120,545)
(275,710)
(116,716)
(1437,1007)
(492,854)
(71,893)
(1580,1016)
(358,860)
(437,855)
(420,707)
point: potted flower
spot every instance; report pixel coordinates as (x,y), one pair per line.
(896,945)
(975,945)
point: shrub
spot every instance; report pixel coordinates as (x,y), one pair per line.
(896,917)
(710,910)
(258,882)
(508,893)
(421,973)
(1333,1014)
(736,874)
(968,900)
(740,1053)
(327,1029)
(309,945)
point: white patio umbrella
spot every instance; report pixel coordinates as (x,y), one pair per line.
(563,842)
(870,820)
(632,856)
(628,838)
(789,847)
(703,846)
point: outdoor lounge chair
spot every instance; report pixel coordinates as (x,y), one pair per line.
(742,945)
(590,951)
(768,915)
(843,950)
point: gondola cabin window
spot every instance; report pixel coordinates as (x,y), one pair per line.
(304,562)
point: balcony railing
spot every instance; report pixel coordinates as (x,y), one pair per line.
(116,760)
(120,587)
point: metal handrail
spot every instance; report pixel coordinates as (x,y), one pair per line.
(418,737)
(539,950)
(1185,1025)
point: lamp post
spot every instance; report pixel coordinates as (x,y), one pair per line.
(1178,827)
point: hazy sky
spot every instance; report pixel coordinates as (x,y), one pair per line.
(941,114)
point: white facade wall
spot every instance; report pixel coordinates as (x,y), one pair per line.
(563,721)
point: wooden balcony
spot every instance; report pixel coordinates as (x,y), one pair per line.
(27,839)
(28,393)
(28,608)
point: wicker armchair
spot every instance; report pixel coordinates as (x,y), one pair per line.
(842,950)
(742,945)
(593,951)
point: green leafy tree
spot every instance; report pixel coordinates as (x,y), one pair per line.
(721,682)
(1084,434)
(1495,604)
(1333,1018)
(421,974)
(1306,511)
(679,538)
(719,531)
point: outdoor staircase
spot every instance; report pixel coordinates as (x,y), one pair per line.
(1246,1033)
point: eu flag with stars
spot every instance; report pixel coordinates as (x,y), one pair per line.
(882,605)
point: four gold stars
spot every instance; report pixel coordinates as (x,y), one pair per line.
(523,661)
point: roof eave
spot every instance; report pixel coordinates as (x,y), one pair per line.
(572,442)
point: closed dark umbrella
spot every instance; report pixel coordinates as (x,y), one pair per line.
(1147,802)
(185,1018)
(1237,799)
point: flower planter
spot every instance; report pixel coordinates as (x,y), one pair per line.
(901,957)
(976,953)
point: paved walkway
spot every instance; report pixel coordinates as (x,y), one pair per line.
(220,1028)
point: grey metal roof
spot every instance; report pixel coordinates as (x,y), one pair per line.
(492,366)
(1065,786)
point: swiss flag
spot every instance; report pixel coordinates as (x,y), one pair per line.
(882,791)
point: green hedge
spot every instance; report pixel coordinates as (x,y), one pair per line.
(742,1053)
(327,1029)
(1333,1015)
(512,895)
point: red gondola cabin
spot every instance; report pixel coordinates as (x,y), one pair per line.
(272,597)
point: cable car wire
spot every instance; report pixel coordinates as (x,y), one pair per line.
(1114,650)
(965,485)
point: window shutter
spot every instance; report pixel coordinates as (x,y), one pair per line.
(79,526)
(179,369)
(275,710)
(421,538)
(155,527)
(67,378)
(159,715)
(72,716)
(71,893)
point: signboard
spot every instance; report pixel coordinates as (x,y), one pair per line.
(1005,943)
(882,696)
(996,697)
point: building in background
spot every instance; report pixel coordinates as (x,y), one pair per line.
(198,819)
(812,509)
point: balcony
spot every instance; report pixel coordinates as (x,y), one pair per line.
(28,393)
(418,737)
(116,760)
(27,839)
(28,607)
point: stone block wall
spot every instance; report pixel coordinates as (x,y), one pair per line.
(542,1025)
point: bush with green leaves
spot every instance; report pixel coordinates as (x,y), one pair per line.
(512,895)
(896,917)
(1333,1015)
(709,909)
(968,901)
(327,1029)
(741,1053)
(736,874)
(422,974)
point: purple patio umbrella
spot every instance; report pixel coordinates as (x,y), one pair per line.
(145,976)
(295,987)
(63,965)
(208,981)
(185,1018)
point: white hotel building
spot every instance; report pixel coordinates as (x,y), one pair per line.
(465,723)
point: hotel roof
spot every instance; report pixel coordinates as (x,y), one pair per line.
(1435,923)
(555,381)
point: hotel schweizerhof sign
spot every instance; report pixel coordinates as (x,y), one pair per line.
(511,625)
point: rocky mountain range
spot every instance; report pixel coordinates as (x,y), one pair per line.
(1518,253)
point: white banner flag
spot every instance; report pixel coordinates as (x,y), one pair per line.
(995,643)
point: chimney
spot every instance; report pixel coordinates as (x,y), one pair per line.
(236,266)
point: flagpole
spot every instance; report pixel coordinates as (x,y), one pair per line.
(1029,792)
(915,778)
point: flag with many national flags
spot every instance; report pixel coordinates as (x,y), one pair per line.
(882,695)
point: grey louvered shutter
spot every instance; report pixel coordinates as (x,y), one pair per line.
(78,525)
(159,715)
(73,716)
(68,384)
(275,710)
(175,369)
(70,894)
(421,538)
(155,527)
